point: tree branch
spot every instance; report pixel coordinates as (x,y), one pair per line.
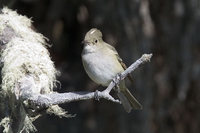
(45,100)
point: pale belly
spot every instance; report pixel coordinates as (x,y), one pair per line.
(101,69)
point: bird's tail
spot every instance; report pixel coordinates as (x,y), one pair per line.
(128,100)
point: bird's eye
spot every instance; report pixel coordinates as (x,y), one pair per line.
(96,41)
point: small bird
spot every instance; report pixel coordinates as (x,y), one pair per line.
(102,63)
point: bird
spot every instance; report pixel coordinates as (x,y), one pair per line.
(102,63)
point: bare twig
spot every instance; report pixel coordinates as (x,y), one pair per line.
(45,100)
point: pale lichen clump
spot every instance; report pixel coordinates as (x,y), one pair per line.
(5,122)
(25,54)
(20,58)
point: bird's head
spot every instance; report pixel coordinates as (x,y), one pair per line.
(93,37)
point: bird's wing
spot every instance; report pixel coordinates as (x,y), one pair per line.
(120,60)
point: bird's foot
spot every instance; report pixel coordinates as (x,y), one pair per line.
(117,79)
(96,95)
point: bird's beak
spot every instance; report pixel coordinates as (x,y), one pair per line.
(85,42)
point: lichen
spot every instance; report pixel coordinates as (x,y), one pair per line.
(21,25)
(22,57)
(5,123)
(55,109)
(25,54)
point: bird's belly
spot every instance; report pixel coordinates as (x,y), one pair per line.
(101,69)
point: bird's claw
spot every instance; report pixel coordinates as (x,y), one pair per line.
(96,96)
(116,80)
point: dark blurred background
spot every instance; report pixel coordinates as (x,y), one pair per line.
(168,86)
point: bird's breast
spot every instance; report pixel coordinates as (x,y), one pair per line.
(101,68)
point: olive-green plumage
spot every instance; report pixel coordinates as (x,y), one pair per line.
(102,63)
